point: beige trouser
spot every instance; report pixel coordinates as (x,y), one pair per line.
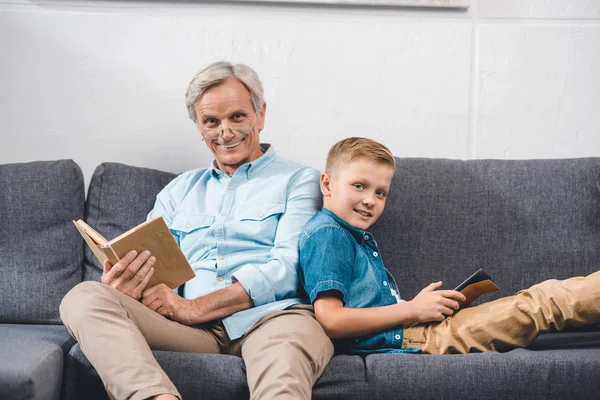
(284,352)
(513,321)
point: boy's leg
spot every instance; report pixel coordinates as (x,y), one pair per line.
(117,333)
(513,321)
(285,352)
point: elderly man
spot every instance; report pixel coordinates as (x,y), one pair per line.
(238,223)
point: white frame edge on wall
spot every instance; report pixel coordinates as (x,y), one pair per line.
(389,3)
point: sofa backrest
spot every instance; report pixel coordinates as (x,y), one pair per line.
(119,198)
(521,221)
(41,252)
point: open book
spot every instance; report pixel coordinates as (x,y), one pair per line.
(171,266)
(474,286)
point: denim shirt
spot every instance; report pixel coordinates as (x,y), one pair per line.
(336,256)
(243,228)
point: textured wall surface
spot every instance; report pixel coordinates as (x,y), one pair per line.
(104,80)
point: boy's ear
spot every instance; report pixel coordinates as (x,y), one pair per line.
(325,182)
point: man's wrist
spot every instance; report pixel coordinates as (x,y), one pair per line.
(197,311)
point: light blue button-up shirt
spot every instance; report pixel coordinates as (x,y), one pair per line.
(243,228)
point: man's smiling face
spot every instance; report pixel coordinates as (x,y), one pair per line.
(226,106)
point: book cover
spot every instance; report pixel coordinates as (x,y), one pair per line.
(474,286)
(171,266)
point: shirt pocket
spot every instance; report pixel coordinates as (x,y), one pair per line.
(192,228)
(259,222)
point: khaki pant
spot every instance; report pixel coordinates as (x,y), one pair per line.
(284,352)
(513,321)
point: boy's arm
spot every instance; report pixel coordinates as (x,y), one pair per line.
(339,321)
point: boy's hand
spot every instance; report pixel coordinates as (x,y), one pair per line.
(435,305)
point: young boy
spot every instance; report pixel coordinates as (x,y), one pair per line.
(356,299)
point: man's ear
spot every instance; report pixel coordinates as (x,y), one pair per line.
(261,121)
(325,182)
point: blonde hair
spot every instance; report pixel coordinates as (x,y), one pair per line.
(217,73)
(356,148)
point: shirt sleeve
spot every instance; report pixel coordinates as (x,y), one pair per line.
(326,261)
(277,279)
(167,200)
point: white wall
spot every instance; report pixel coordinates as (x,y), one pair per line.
(104,80)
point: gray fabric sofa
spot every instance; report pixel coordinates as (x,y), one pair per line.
(40,260)
(523,221)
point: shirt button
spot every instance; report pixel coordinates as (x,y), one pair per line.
(221,257)
(366,237)
(220,279)
(261,214)
(223,214)
(188,225)
(231,188)
(375,254)
(397,337)
(384,283)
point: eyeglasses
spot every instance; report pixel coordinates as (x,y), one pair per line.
(235,128)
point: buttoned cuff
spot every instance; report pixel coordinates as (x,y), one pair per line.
(324,286)
(255,284)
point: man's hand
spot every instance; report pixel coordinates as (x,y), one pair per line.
(435,305)
(216,305)
(166,302)
(130,275)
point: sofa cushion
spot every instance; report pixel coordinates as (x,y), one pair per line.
(206,376)
(522,221)
(224,375)
(518,374)
(343,378)
(119,198)
(31,360)
(41,252)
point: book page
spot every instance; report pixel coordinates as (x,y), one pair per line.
(96,249)
(95,236)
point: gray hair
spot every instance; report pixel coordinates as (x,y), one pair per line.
(217,73)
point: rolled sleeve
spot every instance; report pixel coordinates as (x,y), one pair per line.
(326,260)
(277,279)
(255,284)
(325,286)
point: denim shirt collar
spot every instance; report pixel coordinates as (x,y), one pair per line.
(357,234)
(249,169)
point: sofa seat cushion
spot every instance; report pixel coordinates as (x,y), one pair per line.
(31,360)
(343,378)
(216,376)
(206,376)
(517,374)
(41,252)
(119,197)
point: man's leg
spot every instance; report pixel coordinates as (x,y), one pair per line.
(285,352)
(117,333)
(513,321)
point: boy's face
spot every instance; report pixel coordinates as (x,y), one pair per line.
(356,191)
